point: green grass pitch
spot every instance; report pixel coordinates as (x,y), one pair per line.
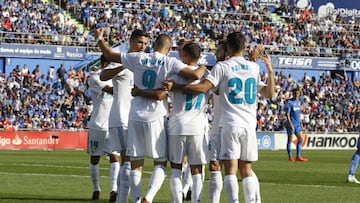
(63,176)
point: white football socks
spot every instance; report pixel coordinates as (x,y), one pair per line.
(215,186)
(176,185)
(156,181)
(94,174)
(257,187)
(135,185)
(114,173)
(232,188)
(249,188)
(123,183)
(197,188)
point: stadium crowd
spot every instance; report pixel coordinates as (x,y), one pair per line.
(60,99)
(284,29)
(34,101)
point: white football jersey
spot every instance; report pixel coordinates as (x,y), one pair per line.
(216,114)
(238,81)
(102,102)
(188,115)
(122,83)
(150,70)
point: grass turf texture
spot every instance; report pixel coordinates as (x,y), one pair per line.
(63,176)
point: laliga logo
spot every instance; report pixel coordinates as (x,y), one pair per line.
(6,141)
(329,9)
(304,4)
(304,137)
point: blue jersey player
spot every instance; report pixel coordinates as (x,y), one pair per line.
(294,125)
(354,164)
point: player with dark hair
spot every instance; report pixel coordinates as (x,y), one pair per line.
(99,123)
(294,125)
(187,129)
(238,82)
(118,122)
(147,117)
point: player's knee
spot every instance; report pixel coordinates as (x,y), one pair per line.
(214,166)
(94,160)
(137,163)
(196,169)
(114,158)
(176,166)
(160,161)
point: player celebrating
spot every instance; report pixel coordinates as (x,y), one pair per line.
(238,81)
(146,128)
(187,128)
(118,124)
(99,124)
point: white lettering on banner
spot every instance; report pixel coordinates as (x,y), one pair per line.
(266,2)
(344,12)
(49,140)
(74,55)
(292,61)
(355,65)
(7,50)
(4,141)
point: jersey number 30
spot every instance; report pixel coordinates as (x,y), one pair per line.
(237,86)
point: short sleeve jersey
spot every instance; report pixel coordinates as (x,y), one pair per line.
(294,108)
(150,70)
(102,102)
(217,114)
(122,83)
(237,80)
(188,115)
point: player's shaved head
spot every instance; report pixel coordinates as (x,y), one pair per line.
(162,42)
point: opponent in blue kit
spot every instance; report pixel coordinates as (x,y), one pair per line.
(294,124)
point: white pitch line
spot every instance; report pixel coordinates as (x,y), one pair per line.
(57,166)
(84,176)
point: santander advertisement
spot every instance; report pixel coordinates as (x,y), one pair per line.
(42,140)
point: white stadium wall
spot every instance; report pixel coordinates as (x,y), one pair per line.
(278,141)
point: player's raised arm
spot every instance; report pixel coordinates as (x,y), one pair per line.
(109,54)
(269,90)
(108,73)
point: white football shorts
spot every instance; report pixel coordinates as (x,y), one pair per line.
(97,139)
(195,147)
(238,143)
(117,140)
(147,138)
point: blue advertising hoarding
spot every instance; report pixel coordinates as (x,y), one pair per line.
(42,51)
(313,63)
(265,140)
(344,8)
